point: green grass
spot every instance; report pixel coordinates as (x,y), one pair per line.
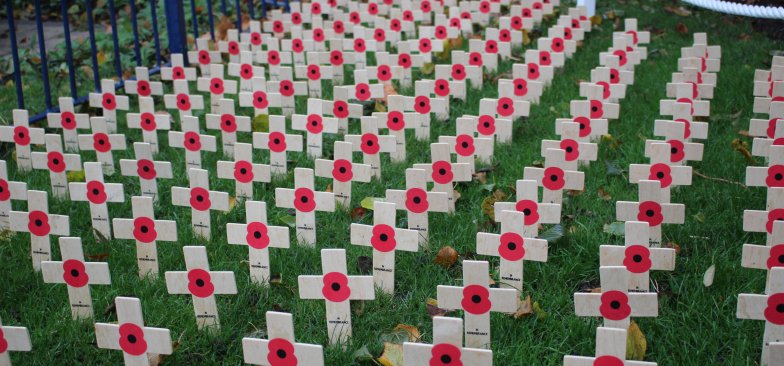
(696,325)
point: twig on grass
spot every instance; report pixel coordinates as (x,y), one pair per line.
(722,180)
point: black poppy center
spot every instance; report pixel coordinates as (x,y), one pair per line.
(96,191)
(146,168)
(417,199)
(243,171)
(131,339)
(257,234)
(421,104)
(527,212)
(260,99)
(182,101)
(637,258)
(38,222)
(615,304)
(660,175)
(369,143)
(56,161)
(649,213)
(74,273)
(200,282)
(442,171)
(281,353)
(335,286)
(511,245)
(200,198)
(217,85)
(594,108)
(476,299)
(108,100)
(446,359)
(342,169)
(304,199)
(101,142)
(276,141)
(531,71)
(778,176)
(192,140)
(486,124)
(780,308)
(144,229)
(582,126)
(781,258)
(674,150)
(569,149)
(554,178)
(464,145)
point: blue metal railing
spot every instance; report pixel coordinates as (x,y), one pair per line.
(176,38)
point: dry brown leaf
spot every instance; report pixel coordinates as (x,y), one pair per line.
(681,11)
(523,308)
(682,28)
(329,188)
(413,332)
(357,213)
(488,204)
(433,309)
(446,257)
(743,148)
(673,245)
(481,177)
(603,194)
(392,356)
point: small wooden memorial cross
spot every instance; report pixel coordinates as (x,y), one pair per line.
(343,171)
(255,37)
(767,307)
(40,224)
(437,93)
(232,46)
(362,90)
(610,350)
(147,231)
(97,193)
(423,106)
(70,122)
(286,90)
(244,171)
(467,147)
(681,114)
(397,122)
(217,86)
(337,289)
(129,335)
(528,204)
(245,71)
(57,164)
(651,209)
(257,97)
(280,348)
(15,339)
(147,169)
(496,117)
(341,109)
(590,128)
(756,221)
(298,48)
(141,86)
(109,102)
(149,122)
(519,89)
(617,72)
(577,150)
(701,89)
(637,256)
(767,256)
(229,124)
(681,150)
(767,130)
(78,275)
(258,236)
(182,100)
(771,176)
(622,48)
(480,53)
(361,48)
(554,177)
(539,66)
(201,201)
(477,299)
(615,304)
(314,124)
(274,59)
(22,135)
(600,106)
(9,190)
(447,347)
(385,239)
(194,143)
(613,89)
(203,56)
(278,142)
(459,75)
(314,73)
(444,173)
(504,39)
(202,284)
(103,143)
(660,170)
(177,70)
(305,201)
(371,144)
(417,202)
(338,58)
(683,93)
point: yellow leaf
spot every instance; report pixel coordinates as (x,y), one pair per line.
(428,68)
(101,57)
(232,203)
(596,20)
(636,344)
(743,148)
(260,123)
(367,202)
(392,356)
(537,309)
(413,332)
(526,37)
(75,176)
(488,204)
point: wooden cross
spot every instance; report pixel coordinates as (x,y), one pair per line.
(766,307)
(444,173)
(447,347)
(681,114)
(590,128)
(496,117)
(194,143)
(298,48)
(615,304)
(258,236)
(141,86)
(57,164)
(245,71)
(637,256)
(385,72)
(147,231)
(280,347)
(286,90)
(40,224)
(684,94)
(617,73)
(338,58)
(417,202)
(257,97)
(600,107)
(701,88)
(767,129)
(129,335)
(231,46)
(578,151)
(109,102)
(554,177)
(371,144)
(343,171)
(22,135)
(622,48)
(681,150)
(203,56)
(147,169)
(103,143)
(520,89)
(70,122)
(229,125)
(505,39)
(361,47)
(182,100)
(362,90)
(459,75)
(660,170)
(435,92)
(467,147)
(16,339)
(557,41)
(478,55)
(337,289)
(255,37)
(613,89)
(651,209)
(149,122)
(611,346)
(763,79)
(202,284)
(767,256)
(77,275)
(278,143)
(755,221)
(774,94)
(397,122)
(9,190)
(766,147)
(217,86)
(385,238)
(314,124)
(201,201)
(243,171)
(273,58)
(405,61)
(422,105)
(477,299)
(771,176)
(341,109)
(305,201)
(314,73)
(528,204)
(539,66)
(177,70)
(97,193)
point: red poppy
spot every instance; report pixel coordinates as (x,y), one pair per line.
(687,127)
(145,169)
(575,24)
(340,109)
(297,45)
(553,178)
(204,57)
(475,59)
(688,101)
(637,259)
(634,36)
(95,192)
(597,109)
(567,33)
(441,32)
(454,22)
(337,27)
(132,339)
(143,88)
(621,57)
(286,88)
(775,176)
(772,127)
(314,72)
(277,142)
(614,77)
(476,299)
(615,305)
(362,91)
(517,22)
(144,229)
(650,212)
(530,209)
(572,149)
(537,5)
(464,145)
(109,102)
(296,18)
(484,7)
(200,199)
(585,126)
(441,88)
(520,87)
(774,313)
(101,142)
(354,16)
(486,125)
(416,200)
(3,342)
(68,120)
(676,151)
(342,170)
(335,287)
(178,73)
(336,57)
(200,283)
(605,89)
(773,216)
(458,72)
(505,35)
(359,45)
(148,121)
(557,45)
(38,223)
(370,144)
(379,35)
(425,6)
(776,258)
(372,9)
(533,71)
(315,8)
(258,235)
(56,162)
(277,26)
(442,172)
(273,57)
(424,45)
(5,194)
(408,15)
(228,123)
(526,13)
(74,273)
(395,121)
(243,171)
(260,100)
(511,246)
(304,200)
(445,354)
(662,173)
(383,238)
(314,124)
(21,136)
(608,360)
(246,71)
(255,39)
(318,35)
(216,86)
(465,15)
(383,73)
(183,102)
(280,352)
(192,141)
(234,48)
(422,104)
(404,60)
(491,46)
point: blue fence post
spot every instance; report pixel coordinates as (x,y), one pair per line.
(175,26)
(251,10)
(238,14)
(9,10)
(154,16)
(210,18)
(68,49)
(136,51)
(42,51)
(115,41)
(93,47)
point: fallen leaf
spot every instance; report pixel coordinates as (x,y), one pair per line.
(98,257)
(367,202)
(481,177)
(380,106)
(456,195)
(488,204)
(446,257)
(427,68)
(707,278)
(673,245)
(744,133)
(392,356)
(526,38)
(75,176)
(260,123)
(276,279)
(553,234)
(682,28)
(523,308)
(362,354)
(358,213)
(289,220)
(596,20)
(681,11)
(329,188)
(433,309)
(699,217)
(537,309)
(615,228)
(636,344)
(743,148)
(612,168)
(603,194)
(232,203)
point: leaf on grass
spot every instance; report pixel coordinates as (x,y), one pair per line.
(682,28)
(433,309)
(481,177)
(673,245)
(488,204)
(707,278)
(367,202)
(603,194)
(681,11)
(612,168)
(596,20)
(289,220)
(260,123)
(358,213)
(6,234)
(524,308)
(379,106)
(276,279)
(537,309)
(428,68)
(392,356)
(232,204)
(636,344)
(488,187)
(699,217)
(610,139)
(743,148)
(97,257)
(362,354)
(553,234)
(616,229)
(75,176)
(456,195)
(402,333)
(446,257)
